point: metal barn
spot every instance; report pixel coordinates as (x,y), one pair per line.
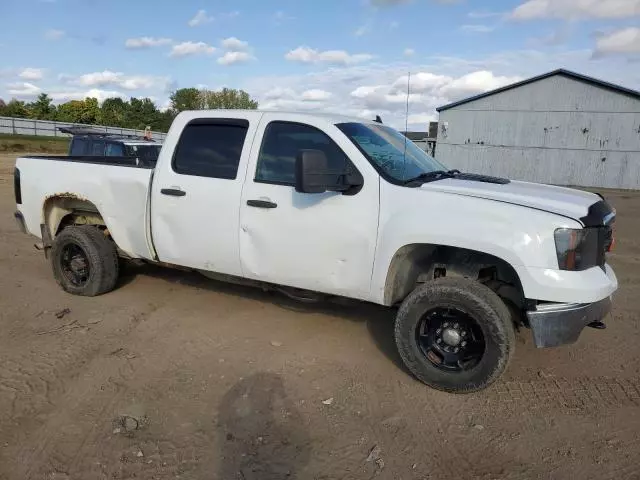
(560,128)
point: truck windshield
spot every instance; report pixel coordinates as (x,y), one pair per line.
(385,149)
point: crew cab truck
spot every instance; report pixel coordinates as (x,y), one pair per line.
(306,202)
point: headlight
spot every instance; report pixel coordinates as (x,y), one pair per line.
(577,249)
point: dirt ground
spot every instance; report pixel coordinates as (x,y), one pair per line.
(176,376)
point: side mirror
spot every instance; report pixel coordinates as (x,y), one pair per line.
(313,174)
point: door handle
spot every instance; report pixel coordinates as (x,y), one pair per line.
(261,204)
(175,192)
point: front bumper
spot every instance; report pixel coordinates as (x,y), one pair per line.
(557,324)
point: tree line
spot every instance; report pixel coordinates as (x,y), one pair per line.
(136,113)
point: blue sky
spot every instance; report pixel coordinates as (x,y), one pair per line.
(347,56)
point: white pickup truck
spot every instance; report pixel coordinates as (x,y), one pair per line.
(338,206)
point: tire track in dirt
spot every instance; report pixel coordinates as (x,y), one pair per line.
(569,395)
(61,379)
(32,381)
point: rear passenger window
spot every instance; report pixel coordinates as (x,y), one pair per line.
(78,147)
(97,148)
(281,144)
(115,150)
(211,148)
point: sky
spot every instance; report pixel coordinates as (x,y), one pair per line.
(353,57)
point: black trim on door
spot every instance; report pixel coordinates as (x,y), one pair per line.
(261,204)
(174,192)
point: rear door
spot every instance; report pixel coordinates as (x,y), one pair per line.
(323,242)
(196,192)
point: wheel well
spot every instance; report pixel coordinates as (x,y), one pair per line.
(419,263)
(69,209)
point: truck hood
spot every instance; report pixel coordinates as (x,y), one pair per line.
(567,202)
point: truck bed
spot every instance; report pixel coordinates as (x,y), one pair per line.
(114,186)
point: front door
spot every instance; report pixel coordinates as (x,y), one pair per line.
(195,198)
(322,242)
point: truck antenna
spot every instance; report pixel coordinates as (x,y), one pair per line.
(406,124)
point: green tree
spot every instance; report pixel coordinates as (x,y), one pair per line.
(143,112)
(186,99)
(70,111)
(3,107)
(16,108)
(228,98)
(113,112)
(90,111)
(42,108)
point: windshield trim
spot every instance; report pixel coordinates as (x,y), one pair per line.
(389,178)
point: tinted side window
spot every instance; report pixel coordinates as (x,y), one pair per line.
(78,147)
(114,150)
(97,148)
(281,144)
(210,149)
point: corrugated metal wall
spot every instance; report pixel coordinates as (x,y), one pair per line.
(46,128)
(557,130)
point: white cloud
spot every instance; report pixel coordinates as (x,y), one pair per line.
(484,14)
(233,44)
(477,28)
(575,9)
(32,74)
(232,58)
(100,95)
(98,78)
(191,48)
(477,82)
(623,41)
(316,95)
(23,89)
(140,82)
(280,98)
(119,79)
(200,18)
(279,92)
(336,57)
(146,42)
(409,52)
(376,88)
(422,119)
(53,34)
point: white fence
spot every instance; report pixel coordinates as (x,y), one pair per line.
(46,128)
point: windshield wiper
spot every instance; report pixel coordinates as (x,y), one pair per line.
(431,177)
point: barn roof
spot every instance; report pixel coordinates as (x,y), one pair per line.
(560,71)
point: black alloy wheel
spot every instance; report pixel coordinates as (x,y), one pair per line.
(450,339)
(74,264)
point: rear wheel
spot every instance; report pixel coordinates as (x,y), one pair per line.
(84,261)
(455,334)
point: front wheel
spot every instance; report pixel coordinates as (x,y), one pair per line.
(455,334)
(84,261)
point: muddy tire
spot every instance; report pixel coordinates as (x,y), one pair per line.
(84,261)
(455,335)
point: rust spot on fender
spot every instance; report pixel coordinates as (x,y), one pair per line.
(68,195)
